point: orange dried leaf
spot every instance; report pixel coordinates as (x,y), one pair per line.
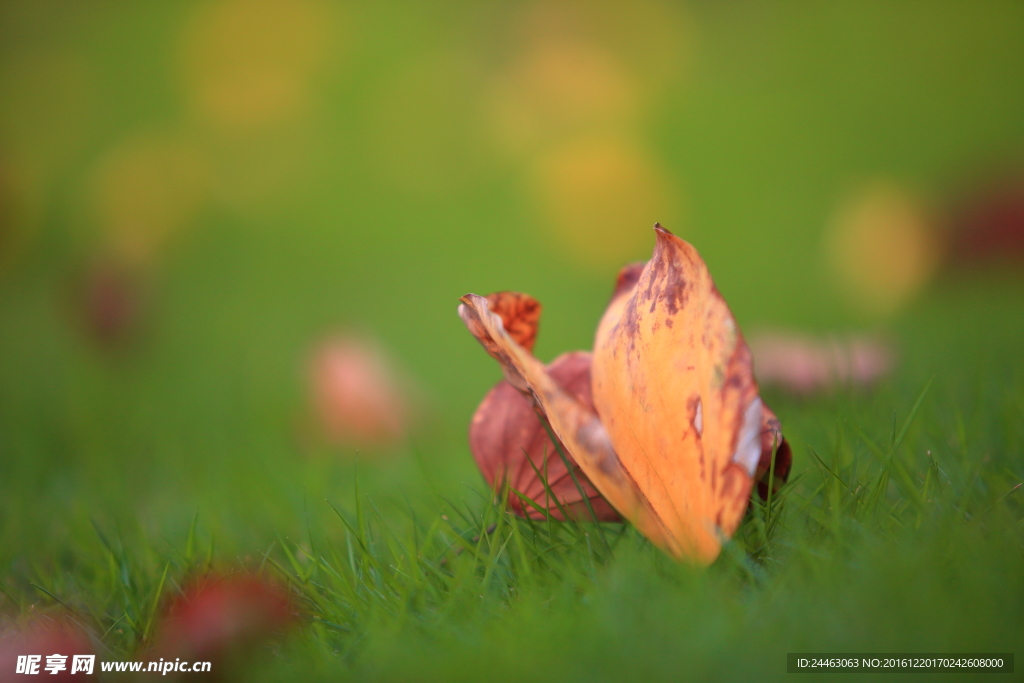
(674,386)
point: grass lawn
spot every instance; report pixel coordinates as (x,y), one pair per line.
(902,529)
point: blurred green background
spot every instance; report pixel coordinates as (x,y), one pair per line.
(252,176)
(195,195)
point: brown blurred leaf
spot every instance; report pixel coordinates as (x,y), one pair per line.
(222,618)
(990,224)
(110,301)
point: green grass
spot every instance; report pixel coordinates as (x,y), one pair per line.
(902,529)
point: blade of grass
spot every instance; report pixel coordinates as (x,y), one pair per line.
(575,480)
(155,604)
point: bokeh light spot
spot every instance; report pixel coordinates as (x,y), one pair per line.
(585,68)
(881,247)
(599,198)
(560,88)
(248,64)
(146,189)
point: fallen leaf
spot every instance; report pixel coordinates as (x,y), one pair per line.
(989,227)
(807,365)
(359,394)
(674,434)
(111,302)
(511,444)
(772,442)
(218,618)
